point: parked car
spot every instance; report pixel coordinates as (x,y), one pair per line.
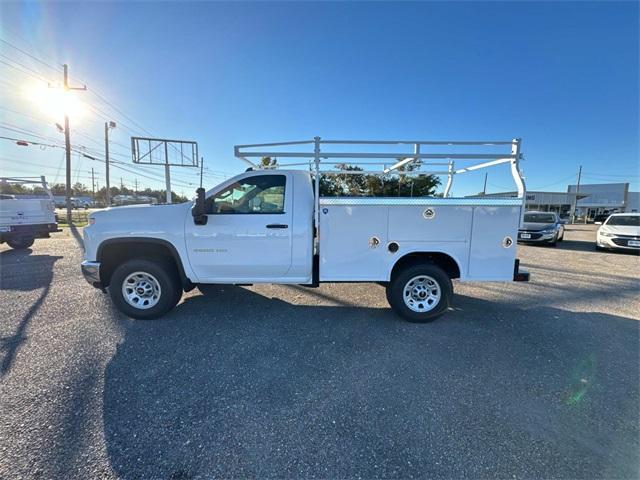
(621,231)
(80,203)
(272,226)
(542,228)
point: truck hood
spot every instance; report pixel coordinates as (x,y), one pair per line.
(143,220)
(536,227)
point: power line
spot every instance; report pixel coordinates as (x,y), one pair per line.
(33,57)
(609,175)
(565,179)
(29,71)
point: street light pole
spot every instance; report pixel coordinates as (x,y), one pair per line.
(107,126)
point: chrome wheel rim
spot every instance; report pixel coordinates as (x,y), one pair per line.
(422,293)
(141,290)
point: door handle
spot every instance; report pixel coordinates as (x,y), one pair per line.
(277,225)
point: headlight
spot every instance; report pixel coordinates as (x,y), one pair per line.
(606,234)
(549,230)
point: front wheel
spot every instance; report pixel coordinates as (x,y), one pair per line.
(420,293)
(144,289)
(20,243)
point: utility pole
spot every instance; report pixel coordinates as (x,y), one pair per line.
(107,126)
(67,143)
(484,189)
(93,187)
(121,185)
(575,203)
(201,168)
(167,174)
(136,181)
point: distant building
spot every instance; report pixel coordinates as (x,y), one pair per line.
(601,198)
(633,202)
(592,199)
(559,202)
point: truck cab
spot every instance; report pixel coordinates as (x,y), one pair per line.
(259,228)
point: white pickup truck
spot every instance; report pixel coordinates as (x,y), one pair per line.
(271,226)
(22,220)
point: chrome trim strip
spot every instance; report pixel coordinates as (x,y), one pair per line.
(421,201)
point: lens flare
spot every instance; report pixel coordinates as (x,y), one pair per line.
(56,102)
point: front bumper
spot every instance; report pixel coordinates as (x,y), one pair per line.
(617,243)
(91,273)
(37,230)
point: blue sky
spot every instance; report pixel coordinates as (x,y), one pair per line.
(563,76)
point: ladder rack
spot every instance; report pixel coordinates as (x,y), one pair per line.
(423,154)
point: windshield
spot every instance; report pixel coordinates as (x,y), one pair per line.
(539,218)
(624,220)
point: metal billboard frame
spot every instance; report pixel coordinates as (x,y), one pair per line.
(138,156)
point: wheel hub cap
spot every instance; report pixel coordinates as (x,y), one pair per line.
(141,290)
(422,293)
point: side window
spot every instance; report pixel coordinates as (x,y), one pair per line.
(257,194)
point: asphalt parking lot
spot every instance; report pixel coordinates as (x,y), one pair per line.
(519,380)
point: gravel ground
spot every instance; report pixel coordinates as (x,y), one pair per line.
(519,380)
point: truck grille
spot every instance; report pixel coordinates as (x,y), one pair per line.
(534,236)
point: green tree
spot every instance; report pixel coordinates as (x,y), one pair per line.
(392,185)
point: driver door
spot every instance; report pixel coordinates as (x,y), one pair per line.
(247,237)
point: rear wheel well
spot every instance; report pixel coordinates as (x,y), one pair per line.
(442,260)
(114,254)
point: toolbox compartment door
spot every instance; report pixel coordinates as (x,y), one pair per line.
(347,247)
(493,243)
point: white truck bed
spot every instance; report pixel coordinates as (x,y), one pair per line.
(479,234)
(29,211)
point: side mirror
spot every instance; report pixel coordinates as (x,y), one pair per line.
(199,210)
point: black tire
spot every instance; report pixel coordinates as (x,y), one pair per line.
(395,292)
(599,248)
(20,243)
(166,276)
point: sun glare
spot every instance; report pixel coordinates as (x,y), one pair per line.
(56,102)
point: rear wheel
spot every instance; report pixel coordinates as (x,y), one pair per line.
(145,289)
(21,242)
(420,293)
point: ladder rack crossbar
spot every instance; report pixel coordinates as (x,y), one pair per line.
(395,155)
